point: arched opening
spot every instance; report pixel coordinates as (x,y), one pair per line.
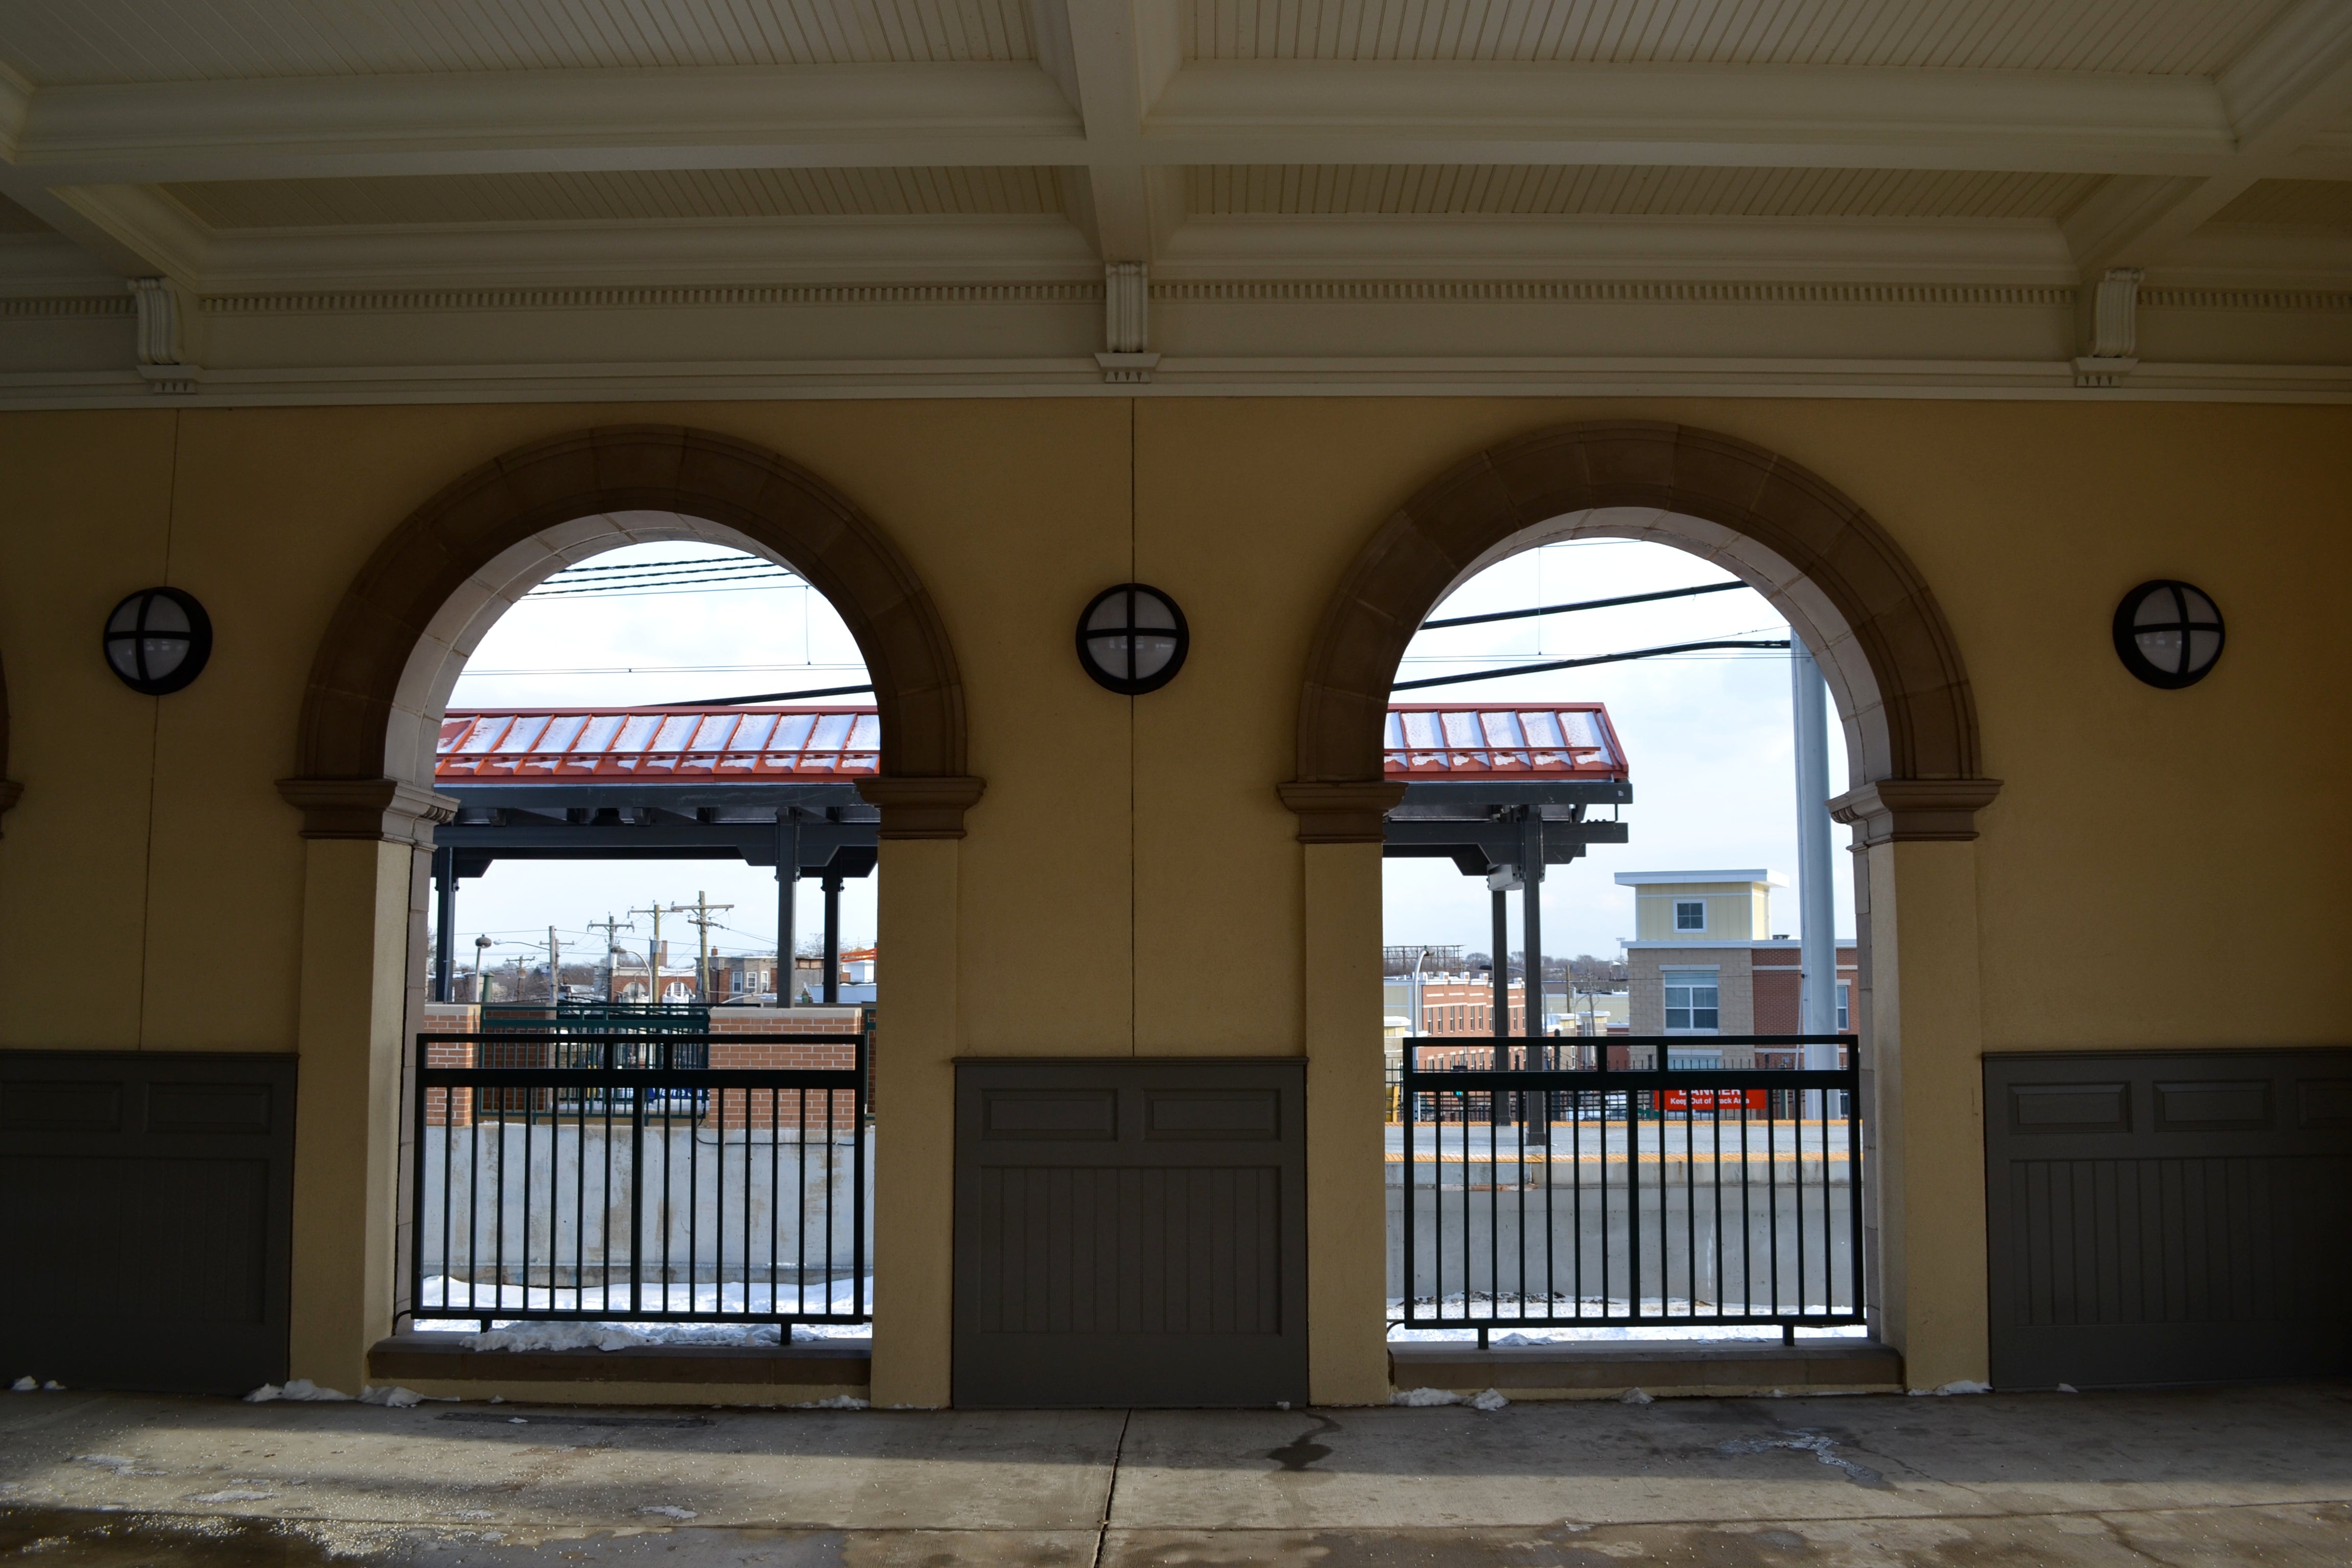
(1839,579)
(371,722)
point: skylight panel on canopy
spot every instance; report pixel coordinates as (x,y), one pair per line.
(1519,740)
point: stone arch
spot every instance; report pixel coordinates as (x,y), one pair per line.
(418,607)
(1889,657)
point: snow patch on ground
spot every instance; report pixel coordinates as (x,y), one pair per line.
(622,1336)
(838,1402)
(234,1494)
(1424,1397)
(1635,1396)
(301,1390)
(393,1398)
(25,1385)
(1466,1314)
(846,1298)
(671,1511)
(1958,1386)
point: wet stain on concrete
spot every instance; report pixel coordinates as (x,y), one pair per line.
(91,1539)
(1303,1451)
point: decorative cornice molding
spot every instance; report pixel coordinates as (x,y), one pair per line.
(1915,811)
(922,807)
(367,301)
(1341,812)
(2244,300)
(68,308)
(1504,290)
(386,810)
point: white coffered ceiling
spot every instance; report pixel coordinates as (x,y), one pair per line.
(242,149)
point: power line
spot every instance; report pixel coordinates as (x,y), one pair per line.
(1574,663)
(696,584)
(1585,604)
(651,670)
(770,697)
(730,563)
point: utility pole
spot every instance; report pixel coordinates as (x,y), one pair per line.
(612,929)
(653,953)
(1816,911)
(554,970)
(703,908)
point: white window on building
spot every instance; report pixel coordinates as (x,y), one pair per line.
(1690,914)
(1691,1006)
(1845,1002)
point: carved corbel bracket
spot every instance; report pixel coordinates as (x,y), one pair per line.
(922,807)
(1347,813)
(2114,324)
(385,810)
(1915,811)
(163,312)
(1127,322)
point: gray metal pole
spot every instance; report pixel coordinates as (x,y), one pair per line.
(788,872)
(444,940)
(832,941)
(1532,915)
(1537,1121)
(1501,975)
(1816,910)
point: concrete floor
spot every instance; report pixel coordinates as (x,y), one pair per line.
(2188,1479)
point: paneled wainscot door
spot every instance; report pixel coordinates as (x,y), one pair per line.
(1130,1231)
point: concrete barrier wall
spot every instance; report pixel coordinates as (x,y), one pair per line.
(1695,1245)
(560,1204)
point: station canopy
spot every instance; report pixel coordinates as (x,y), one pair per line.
(778,785)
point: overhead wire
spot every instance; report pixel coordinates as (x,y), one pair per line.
(1577,663)
(1583,605)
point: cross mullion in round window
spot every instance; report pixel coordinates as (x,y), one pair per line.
(158,640)
(2168,634)
(1132,639)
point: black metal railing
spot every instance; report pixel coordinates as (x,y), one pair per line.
(1539,1194)
(607,1177)
(574,1016)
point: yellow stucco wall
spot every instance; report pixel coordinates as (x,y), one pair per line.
(1125,851)
(1735,911)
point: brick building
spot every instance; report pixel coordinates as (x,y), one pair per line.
(1704,961)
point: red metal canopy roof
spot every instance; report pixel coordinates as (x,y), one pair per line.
(1425,741)
(541,745)
(1430,742)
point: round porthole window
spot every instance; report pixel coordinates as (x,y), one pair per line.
(158,639)
(1132,639)
(2168,634)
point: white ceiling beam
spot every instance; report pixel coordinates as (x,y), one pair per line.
(733,251)
(1322,112)
(1741,249)
(2294,83)
(1132,106)
(319,127)
(1115,58)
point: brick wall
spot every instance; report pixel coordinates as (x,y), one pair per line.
(1778,978)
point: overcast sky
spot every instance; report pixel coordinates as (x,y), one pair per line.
(1708,737)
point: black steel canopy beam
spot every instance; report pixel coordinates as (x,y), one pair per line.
(1477,795)
(599,795)
(1499,843)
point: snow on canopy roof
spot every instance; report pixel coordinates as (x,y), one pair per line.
(692,745)
(1425,741)
(1428,741)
